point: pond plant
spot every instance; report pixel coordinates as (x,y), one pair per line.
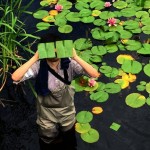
(13,35)
(122,27)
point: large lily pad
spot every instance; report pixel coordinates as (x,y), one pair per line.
(112,88)
(91,136)
(100,96)
(81,5)
(131,66)
(73,17)
(85,13)
(99,50)
(147,69)
(111,48)
(43,25)
(128,12)
(88,19)
(145,50)
(142,14)
(106,14)
(146,29)
(135,100)
(97,5)
(40,14)
(84,117)
(120,4)
(133,45)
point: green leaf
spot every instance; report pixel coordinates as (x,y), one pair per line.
(114,73)
(142,14)
(91,136)
(146,69)
(73,17)
(84,117)
(98,34)
(65,4)
(99,50)
(60,22)
(99,22)
(85,13)
(131,66)
(115,126)
(146,29)
(100,96)
(147,4)
(145,21)
(133,45)
(131,24)
(82,44)
(98,5)
(145,50)
(120,4)
(82,127)
(95,58)
(135,100)
(125,34)
(105,69)
(106,15)
(128,12)
(43,26)
(140,87)
(112,88)
(111,48)
(81,5)
(65,29)
(40,14)
(64,48)
(91,89)
(148,87)
(89,19)
(148,101)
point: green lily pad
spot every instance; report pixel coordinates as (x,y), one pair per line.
(148,87)
(95,58)
(101,86)
(99,22)
(111,48)
(131,24)
(65,29)
(143,83)
(85,13)
(91,89)
(114,73)
(40,14)
(82,44)
(142,14)
(98,34)
(140,87)
(120,4)
(100,96)
(125,34)
(96,13)
(146,29)
(43,25)
(44,3)
(145,21)
(91,136)
(73,17)
(60,22)
(81,5)
(133,45)
(99,50)
(97,5)
(84,117)
(146,69)
(106,15)
(112,88)
(82,127)
(135,100)
(131,66)
(128,12)
(105,69)
(148,101)
(65,4)
(115,126)
(145,50)
(147,4)
(89,19)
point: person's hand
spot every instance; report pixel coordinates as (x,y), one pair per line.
(74,53)
(36,55)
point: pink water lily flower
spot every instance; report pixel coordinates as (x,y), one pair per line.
(59,7)
(91,82)
(112,22)
(107,4)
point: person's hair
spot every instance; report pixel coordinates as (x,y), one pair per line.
(49,38)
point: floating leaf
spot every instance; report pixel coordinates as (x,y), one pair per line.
(148,87)
(106,15)
(91,89)
(89,19)
(99,22)
(98,34)
(82,127)
(65,4)
(97,110)
(141,14)
(65,29)
(81,5)
(128,12)
(147,69)
(96,13)
(84,117)
(133,45)
(111,48)
(91,136)
(120,4)
(99,96)
(146,29)
(145,49)
(105,69)
(40,14)
(125,34)
(85,13)
(43,26)
(131,24)
(147,4)
(112,88)
(135,100)
(140,87)
(60,22)
(82,43)
(131,66)
(115,126)
(129,77)
(113,73)
(99,50)
(98,5)
(73,17)
(148,101)
(49,19)
(122,57)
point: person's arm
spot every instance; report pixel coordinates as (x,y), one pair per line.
(20,72)
(87,67)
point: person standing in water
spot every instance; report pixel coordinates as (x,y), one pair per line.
(55,95)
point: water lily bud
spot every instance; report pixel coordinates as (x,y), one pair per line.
(91,82)
(107,4)
(58,7)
